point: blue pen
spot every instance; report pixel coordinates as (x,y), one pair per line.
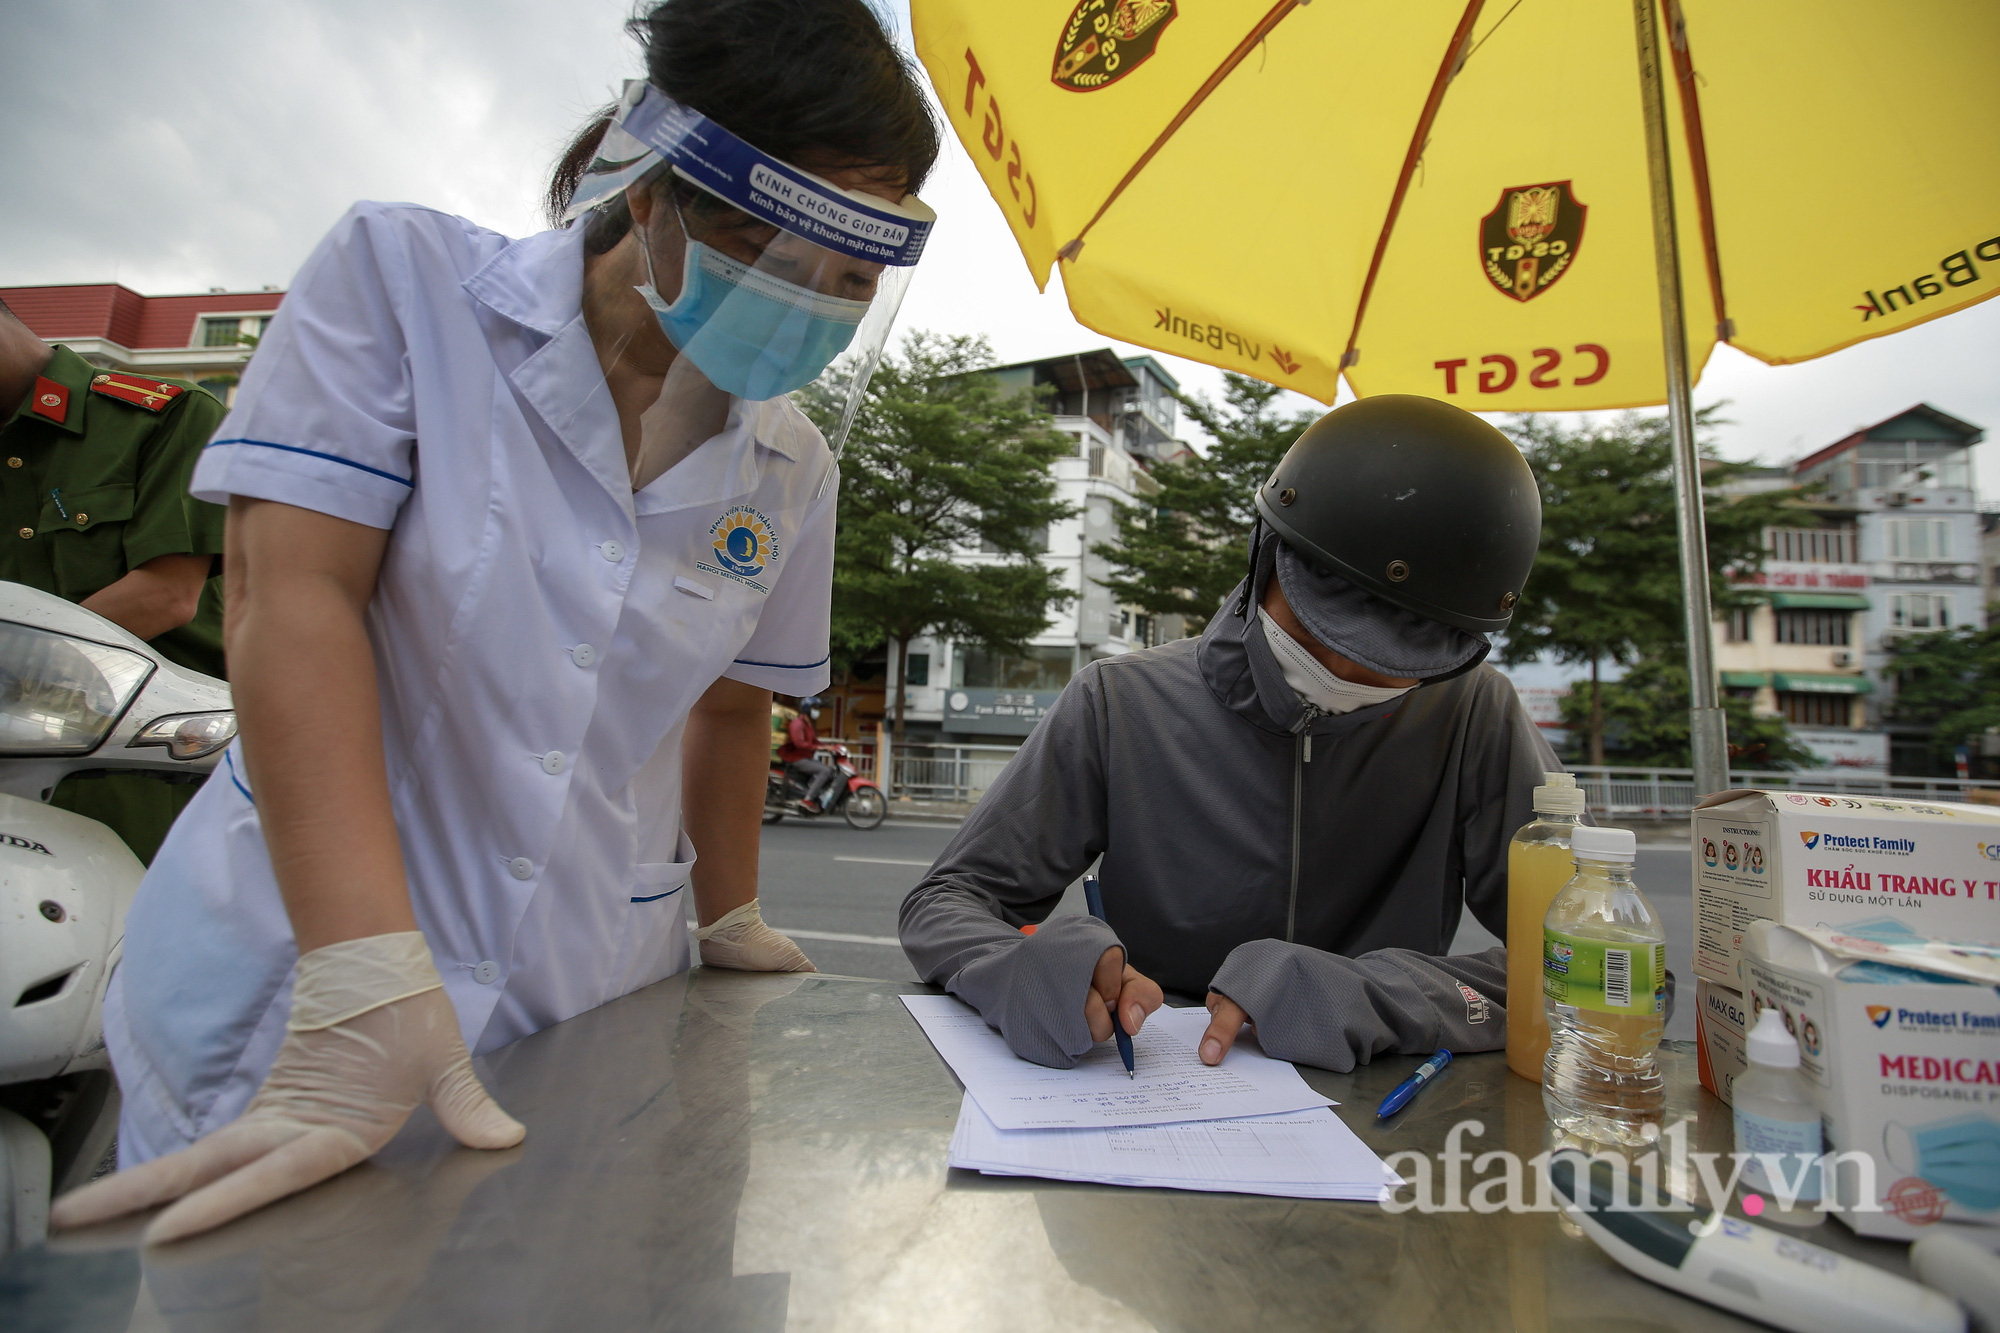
(1093,898)
(1411,1086)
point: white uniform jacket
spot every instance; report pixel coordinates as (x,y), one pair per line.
(540,634)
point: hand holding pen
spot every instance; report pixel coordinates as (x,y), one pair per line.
(1116,989)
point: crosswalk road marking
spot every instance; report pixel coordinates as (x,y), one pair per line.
(836,937)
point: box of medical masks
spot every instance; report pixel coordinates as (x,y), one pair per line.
(1804,858)
(1720,1053)
(1906,1061)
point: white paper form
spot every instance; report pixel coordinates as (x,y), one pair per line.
(1301,1155)
(1172,1086)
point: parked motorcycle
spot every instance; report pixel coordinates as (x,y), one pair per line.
(77,694)
(855,798)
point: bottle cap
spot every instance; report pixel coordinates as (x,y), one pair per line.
(1558,795)
(1604,844)
(1770,1044)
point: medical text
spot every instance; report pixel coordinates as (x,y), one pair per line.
(1882,881)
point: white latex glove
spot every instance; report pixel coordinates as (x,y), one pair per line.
(372,1035)
(742,941)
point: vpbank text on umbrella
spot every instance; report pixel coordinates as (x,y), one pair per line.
(1477,201)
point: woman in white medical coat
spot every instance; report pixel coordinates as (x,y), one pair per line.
(522,537)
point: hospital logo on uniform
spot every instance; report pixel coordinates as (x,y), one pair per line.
(1531,238)
(1104,40)
(745,546)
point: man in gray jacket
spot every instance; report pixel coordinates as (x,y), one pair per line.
(1292,810)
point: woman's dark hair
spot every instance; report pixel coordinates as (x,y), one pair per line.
(813,82)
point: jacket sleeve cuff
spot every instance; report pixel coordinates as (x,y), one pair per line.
(1033,992)
(1323,1009)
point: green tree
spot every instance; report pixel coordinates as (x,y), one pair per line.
(942,460)
(1948,683)
(1606,585)
(1644,717)
(1183,550)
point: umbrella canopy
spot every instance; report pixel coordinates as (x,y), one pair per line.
(1452,199)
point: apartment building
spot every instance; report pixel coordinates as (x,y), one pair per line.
(1887,543)
(1797,652)
(206,338)
(1123,414)
(1909,481)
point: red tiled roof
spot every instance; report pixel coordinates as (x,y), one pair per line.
(1837,447)
(110,310)
(1970,433)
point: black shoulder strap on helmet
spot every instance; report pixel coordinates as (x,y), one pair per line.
(1250,575)
(1460,670)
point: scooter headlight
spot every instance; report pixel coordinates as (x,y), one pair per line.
(62,695)
(187,735)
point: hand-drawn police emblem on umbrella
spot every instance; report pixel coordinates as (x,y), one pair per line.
(1104,40)
(1530,238)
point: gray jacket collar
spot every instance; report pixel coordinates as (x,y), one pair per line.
(1240,670)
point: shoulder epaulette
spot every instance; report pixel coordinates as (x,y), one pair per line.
(153,395)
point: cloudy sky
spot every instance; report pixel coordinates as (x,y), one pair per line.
(210,144)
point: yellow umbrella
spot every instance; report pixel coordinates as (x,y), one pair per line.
(1441,191)
(1476,199)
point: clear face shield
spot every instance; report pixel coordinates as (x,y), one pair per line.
(761,275)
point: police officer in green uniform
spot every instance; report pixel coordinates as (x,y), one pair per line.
(94,507)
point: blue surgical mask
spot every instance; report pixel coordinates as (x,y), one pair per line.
(1960,1157)
(754,336)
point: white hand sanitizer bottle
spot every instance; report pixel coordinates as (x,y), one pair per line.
(1776,1112)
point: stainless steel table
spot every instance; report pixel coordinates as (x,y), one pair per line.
(736,1152)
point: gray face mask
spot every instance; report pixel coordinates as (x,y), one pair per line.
(1364,628)
(1313,683)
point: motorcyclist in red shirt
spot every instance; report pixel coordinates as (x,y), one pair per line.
(799,751)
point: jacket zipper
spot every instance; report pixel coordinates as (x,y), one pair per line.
(1302,754)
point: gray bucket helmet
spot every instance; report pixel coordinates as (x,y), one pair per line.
(1417,501)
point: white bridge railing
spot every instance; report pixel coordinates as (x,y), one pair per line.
(962,773)
(949,772)
(1664,793)
(956,773)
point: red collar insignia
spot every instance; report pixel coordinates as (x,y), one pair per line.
(51,400)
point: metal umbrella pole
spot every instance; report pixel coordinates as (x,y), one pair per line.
(1707,728)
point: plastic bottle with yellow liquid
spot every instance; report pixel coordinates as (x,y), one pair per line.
(1538,865)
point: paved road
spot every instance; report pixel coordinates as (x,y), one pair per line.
(836,891)
(1663,875)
